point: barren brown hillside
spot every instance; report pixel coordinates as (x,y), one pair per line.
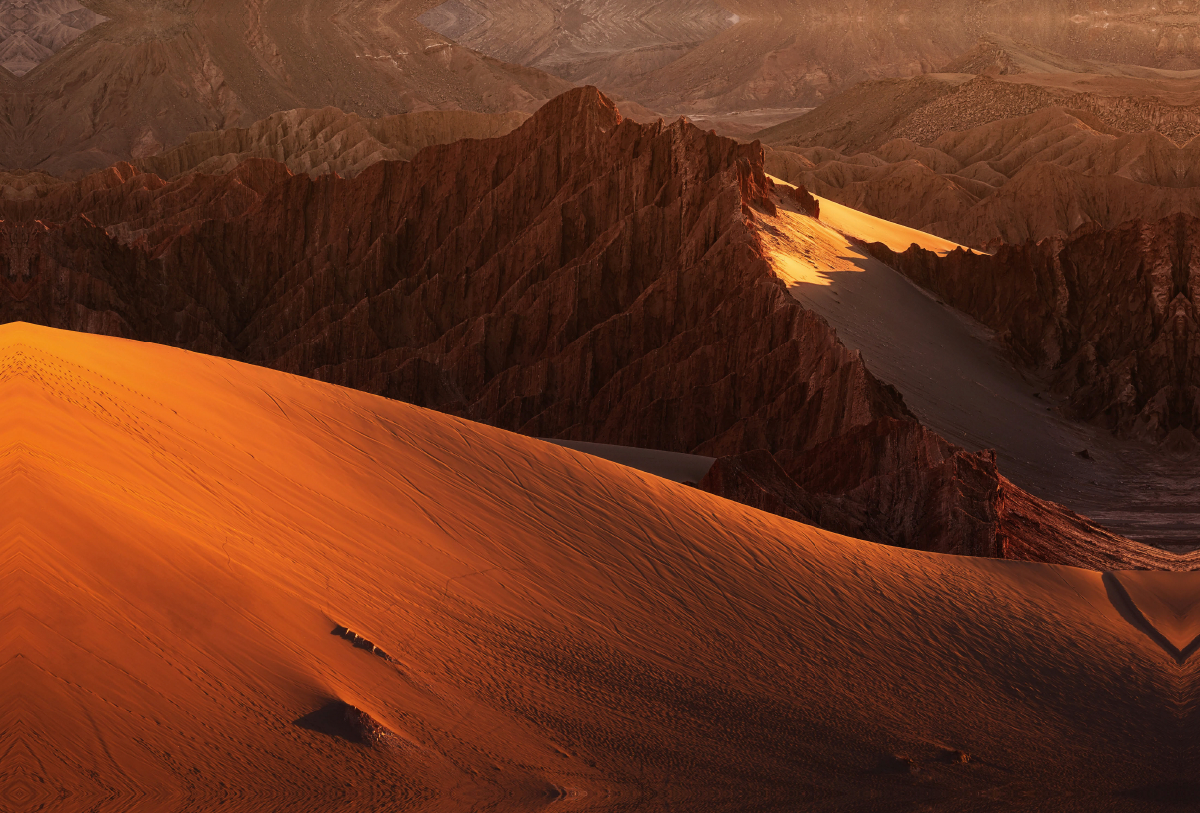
(1034,148)
(158,72)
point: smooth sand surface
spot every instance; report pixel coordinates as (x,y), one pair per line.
(957,380)
(181,535)
(869,229)
(677,466)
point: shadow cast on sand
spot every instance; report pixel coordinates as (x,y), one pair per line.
(1127,607)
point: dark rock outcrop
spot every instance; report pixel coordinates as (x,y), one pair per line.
(344,721)
(359,642)
(897,483)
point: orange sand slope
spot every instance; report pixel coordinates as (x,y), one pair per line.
(870,229)
(518,623)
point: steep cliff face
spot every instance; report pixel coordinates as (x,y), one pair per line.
(584,277)
(1109,315)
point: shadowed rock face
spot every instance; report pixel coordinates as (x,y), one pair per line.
(339,719)
(898,483)
(584,277)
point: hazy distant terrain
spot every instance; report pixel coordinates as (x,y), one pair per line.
(156,72)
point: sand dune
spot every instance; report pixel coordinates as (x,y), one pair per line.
(514,623)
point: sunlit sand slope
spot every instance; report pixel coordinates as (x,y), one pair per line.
(870,229)
(516,623)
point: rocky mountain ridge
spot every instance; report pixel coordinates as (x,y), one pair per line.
(583,277)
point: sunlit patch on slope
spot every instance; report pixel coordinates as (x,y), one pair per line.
(805,251)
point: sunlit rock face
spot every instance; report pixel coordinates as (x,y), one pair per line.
(32,31)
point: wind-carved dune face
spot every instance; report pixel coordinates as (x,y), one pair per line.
(32,31)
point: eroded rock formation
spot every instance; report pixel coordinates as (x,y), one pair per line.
(896,482)
(1025,150)
(558,281)
(1109,315)
(584,277)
